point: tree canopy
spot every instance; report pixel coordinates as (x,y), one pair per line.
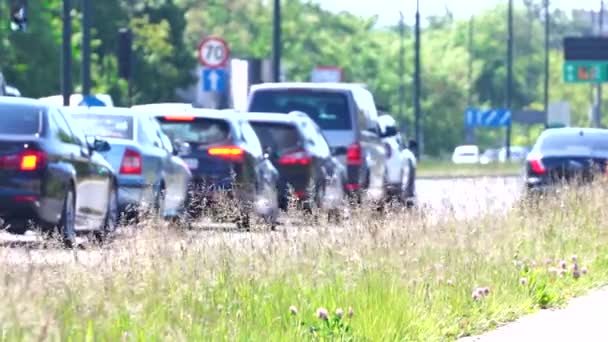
(454,70)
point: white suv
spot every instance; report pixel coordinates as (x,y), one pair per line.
(400,163)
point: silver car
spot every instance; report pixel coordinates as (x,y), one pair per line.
(150,174)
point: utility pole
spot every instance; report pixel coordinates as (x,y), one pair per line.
(547,38)
(470,132)
(86,47)
(597,112)
(417,88)
(402,67)
(66,55)
(509,75)
(276,42)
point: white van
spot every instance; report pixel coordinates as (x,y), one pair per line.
(466,154)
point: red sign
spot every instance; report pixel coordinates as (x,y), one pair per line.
(213,53)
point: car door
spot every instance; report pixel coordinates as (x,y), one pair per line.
(265,175)
(89,209)
(153,158)
(174,171)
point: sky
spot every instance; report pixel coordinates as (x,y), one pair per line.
(388,10)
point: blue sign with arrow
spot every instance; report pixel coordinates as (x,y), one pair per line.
(91,101)
(214,80)
(474,117)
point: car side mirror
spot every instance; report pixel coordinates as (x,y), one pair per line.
(413,146)
(181,148)
(100,145)
(390,131)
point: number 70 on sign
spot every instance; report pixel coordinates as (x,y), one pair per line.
(213,53)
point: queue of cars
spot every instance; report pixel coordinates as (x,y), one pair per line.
(78,169)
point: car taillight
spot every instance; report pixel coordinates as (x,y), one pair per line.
(354,155)
(231,153)
(299,158)
(179,117)
(28,160)
(131,163)
(537,166)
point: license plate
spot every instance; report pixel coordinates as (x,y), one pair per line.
(192,163)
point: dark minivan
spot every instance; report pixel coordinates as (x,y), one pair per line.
(51,175)
(347,115)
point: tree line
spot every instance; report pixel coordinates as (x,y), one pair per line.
(456,72)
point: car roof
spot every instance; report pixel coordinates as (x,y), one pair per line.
(101,110)
(23,101)
(574,131)
(310,85)
(269,117)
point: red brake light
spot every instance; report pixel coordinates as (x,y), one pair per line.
(354,155)
(300,158)
(28,160)
(232,153)
(179,117)
(537,166)
(131,163)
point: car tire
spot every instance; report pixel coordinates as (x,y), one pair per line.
(67,224)
(159,201)
(112,216)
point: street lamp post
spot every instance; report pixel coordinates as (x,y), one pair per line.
(401,66)
(417,89)
(86,47)
(509,74)
(66,54)
(276,41)
(547,36)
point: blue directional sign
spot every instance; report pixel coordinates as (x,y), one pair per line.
(474,117)
(214,80)
(91,101)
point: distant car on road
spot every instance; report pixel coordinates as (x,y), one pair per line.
(50,175)
(150,174)
(224,155)
(566,155)
(298,149)
(518,154)
(348,116)
(401,163)
(489,156)
(466,154)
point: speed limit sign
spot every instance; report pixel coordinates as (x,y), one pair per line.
(213,52)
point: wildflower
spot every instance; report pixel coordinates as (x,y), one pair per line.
(450,282)
(486,291)
(533,264)
(322,314)
(563,264)
(584,270)
(576,274)
(475,295)
(574,258)
(339,313)
(351,312)
(293,310)
(523,281)
(575,267)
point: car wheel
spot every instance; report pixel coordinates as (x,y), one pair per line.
(159,201)
(111,220)
(67,224)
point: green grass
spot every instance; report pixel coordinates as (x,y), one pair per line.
(447,169)
(408,277)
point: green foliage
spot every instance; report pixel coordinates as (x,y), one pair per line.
(167,32)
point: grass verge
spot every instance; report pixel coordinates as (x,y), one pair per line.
(444,169)
(407,276)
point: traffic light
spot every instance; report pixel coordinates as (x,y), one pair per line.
(19,15)
(125,42)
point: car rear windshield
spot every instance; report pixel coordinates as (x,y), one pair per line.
(328,109)
(198,131)
(107,126)
(20,120)
(280,137)
(565,142)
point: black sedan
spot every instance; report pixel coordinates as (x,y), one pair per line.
(51,175)
(225,157)
(566,155)
(298,149)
